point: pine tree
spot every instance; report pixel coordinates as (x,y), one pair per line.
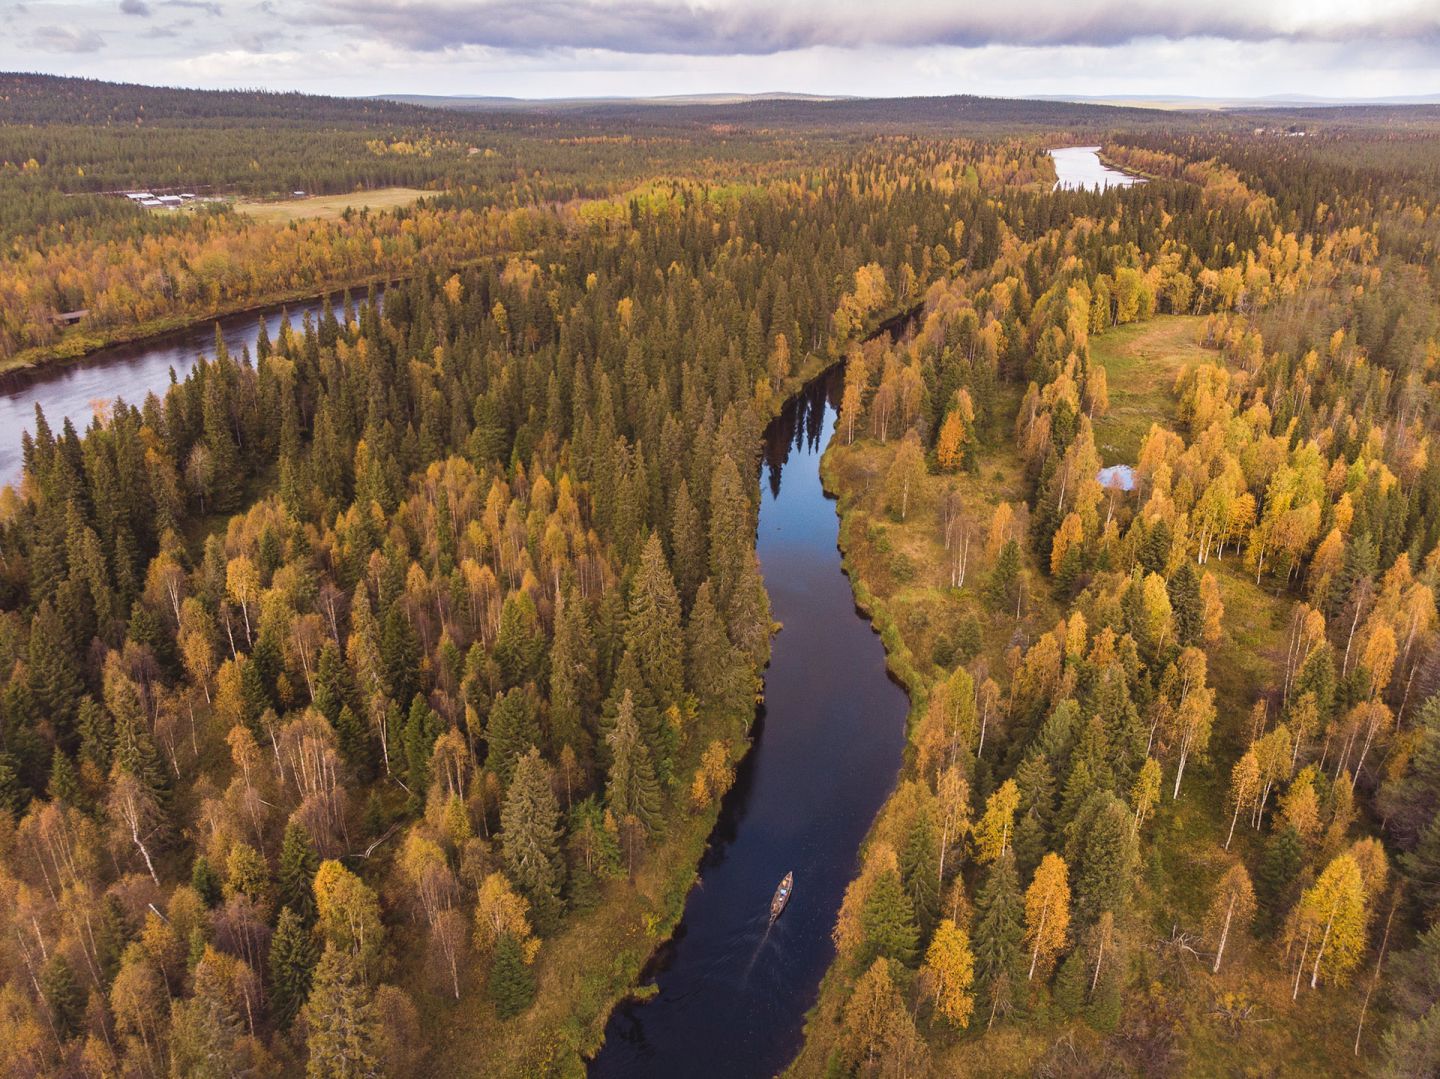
(512,986)
(293,956)
(999,940)
(531,834)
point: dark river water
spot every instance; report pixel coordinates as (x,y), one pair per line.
(732,993)
(129,371)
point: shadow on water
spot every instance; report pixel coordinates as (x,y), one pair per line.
(732,989)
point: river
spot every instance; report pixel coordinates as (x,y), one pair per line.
(1080,167)
(130,371)
(731,994)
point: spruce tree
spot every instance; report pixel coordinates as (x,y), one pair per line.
(1001,588)
(344,1031)
(205,880)
(631,790)
(1102,849)
(512,986)
(653,631)
(520,642)
(719,677)
(731,530)
(295,877)
(400,655)
(513,727)
(998,940)
(293,955)
(920,871)
(97,733)
(422,726)
(887,921)
(687,544)
(54,675)
(1185,603)
(63,995)
(530,834)
(573,685)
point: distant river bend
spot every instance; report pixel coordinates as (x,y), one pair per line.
(1080,168)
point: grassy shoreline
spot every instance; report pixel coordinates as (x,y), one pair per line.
(598,959)
(901,582)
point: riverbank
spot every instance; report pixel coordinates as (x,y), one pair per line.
(601,956)
(80,345)
(901,577)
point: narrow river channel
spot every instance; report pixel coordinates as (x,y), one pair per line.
(732,993)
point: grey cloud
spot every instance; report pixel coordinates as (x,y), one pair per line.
(135,7)
(653,26)
(199,5)
(66,39)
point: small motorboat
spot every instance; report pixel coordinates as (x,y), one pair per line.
(782,896)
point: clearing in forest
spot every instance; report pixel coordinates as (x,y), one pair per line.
(1141,360)
(329,207)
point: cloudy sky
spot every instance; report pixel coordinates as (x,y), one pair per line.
(567,48)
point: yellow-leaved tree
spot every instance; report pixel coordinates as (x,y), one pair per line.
(1329,923)
(1047,912)
(992,833)
(948,975)
(1232,908)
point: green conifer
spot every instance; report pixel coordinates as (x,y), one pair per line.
(293,955)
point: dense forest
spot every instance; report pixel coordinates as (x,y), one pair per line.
(365,701)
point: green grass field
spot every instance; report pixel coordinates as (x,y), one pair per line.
(1141,361)
(329,207)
